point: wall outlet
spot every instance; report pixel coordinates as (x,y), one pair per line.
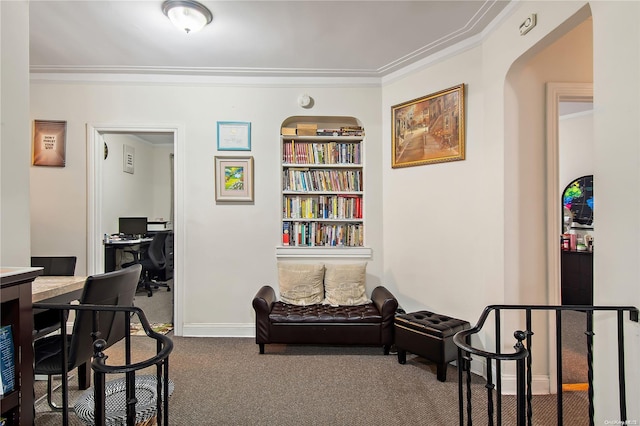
(528,24)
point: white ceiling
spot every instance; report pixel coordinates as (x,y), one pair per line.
(298,37)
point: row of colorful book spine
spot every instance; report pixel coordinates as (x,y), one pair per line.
(321,153)
(322,180)
(318,234)
(322,207)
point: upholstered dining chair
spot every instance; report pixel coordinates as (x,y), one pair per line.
(115,288)
(47,321)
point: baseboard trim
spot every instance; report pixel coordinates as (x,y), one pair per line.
(218,330)
(539,384)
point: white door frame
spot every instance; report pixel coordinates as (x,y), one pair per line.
(95,157)
(556,93)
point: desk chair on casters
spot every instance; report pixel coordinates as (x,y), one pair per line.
(47,321)
(115,288)
(153,262)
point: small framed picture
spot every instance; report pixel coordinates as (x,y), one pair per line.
(234,178)
(234,136)
(49,143)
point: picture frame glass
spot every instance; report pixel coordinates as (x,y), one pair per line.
(234,136)
(49,143)
(234,178)
(429,129)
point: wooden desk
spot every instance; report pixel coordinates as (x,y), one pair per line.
(111,246)
(20,288)
(54,289)
(16,310)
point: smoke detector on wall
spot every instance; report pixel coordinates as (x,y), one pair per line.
(305,101)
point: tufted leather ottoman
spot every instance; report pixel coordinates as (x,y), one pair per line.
(429,335)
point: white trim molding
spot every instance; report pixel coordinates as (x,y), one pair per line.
(556,93)
(95,157)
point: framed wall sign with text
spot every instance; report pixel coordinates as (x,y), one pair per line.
(49,141)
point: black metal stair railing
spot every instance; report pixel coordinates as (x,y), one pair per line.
(523,359)
(164,347)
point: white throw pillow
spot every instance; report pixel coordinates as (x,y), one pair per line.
(301,284)
(346,284)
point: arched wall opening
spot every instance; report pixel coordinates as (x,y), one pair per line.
(565,55)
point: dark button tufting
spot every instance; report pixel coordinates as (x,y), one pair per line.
(286,313)
(430,323)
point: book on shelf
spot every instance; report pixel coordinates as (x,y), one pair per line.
(7,360)
(286,233)
(328,132)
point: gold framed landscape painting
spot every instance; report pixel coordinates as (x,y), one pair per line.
(429,129)
(49,140)
(234,178)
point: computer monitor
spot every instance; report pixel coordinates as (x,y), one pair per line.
(133,225)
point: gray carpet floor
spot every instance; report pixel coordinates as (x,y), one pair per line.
(225,381)
(159,307)
(574,347)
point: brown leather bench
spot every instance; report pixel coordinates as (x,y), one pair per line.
(370,324)
(430,336)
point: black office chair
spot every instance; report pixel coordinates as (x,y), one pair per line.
(55,265)
(47,321)
(153,261)
(115,288)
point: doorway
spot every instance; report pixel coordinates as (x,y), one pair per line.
(99,220)
(558,95)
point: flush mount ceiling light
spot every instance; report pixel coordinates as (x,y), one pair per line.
(188,15)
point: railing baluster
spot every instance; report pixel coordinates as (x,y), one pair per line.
(621,384)
(589,334)
(529,372)
(520,381)
(489,387)
(498,371)
(468,365)
(559,410)
(460,396)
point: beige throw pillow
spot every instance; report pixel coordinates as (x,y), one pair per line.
(346,284)
(301,284)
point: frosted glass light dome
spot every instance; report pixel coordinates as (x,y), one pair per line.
(190,16)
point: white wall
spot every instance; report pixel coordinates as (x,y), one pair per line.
(616,45)
(14,134)
(475,232)
(463,215)
(229,250)
(146,192)
(576,156)
(162,160)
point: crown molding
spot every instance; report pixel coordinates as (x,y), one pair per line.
(279,77)
(164,76)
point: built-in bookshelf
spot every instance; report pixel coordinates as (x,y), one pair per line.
(323,206)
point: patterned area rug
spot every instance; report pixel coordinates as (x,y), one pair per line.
(162,328)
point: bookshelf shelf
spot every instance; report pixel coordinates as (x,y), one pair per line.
(322,188)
